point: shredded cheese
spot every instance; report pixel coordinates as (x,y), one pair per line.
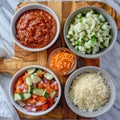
(89,91)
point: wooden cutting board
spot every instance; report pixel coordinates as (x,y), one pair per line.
(24,58)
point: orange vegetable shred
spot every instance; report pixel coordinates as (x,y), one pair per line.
(62,61)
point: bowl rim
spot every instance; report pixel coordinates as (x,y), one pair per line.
(39,113)
(107,105)
(101,10)
(27,8)
(61,49)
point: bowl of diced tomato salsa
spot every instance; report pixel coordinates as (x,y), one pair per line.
(35,90)
(35,27)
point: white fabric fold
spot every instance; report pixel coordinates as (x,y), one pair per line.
(7,110)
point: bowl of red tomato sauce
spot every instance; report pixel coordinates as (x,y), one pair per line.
(35,27)
(35,90)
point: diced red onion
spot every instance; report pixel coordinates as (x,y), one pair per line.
(55,99)
(41,81)
(29,109)
(22,86)
(40,103)
(17,87)
(33,109)
(22,104)
(24,90)
(44,80)
(28,104)
(53,83)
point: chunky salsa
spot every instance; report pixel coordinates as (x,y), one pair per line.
(36,90)
(36,28)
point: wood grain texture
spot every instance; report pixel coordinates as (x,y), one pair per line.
(24,58)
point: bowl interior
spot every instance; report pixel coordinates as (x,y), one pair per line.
(31,7)
(108,18)
(13,81)
(106,107)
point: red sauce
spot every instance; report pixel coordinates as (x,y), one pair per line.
(35,28)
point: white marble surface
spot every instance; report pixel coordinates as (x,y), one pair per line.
(110,61)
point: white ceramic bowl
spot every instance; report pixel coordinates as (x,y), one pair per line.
(106,107)
(15,78)
(30,7)
(110,20)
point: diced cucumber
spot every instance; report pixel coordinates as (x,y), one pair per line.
(30,89)
(35,79)
(38,91)
(52,94)
(44,91)
(26,96)
(17,97)
(48,76)
(31,70)
(28,81)
(92,27)
(40,71)
(46,95)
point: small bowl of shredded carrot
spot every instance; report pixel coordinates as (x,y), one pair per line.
(35,90)
(62,61)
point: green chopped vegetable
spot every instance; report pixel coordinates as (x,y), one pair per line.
(88,32)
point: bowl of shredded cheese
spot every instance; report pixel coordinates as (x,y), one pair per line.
(89,91)
(62,61)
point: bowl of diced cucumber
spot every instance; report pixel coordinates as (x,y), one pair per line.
(35,90)
(90,32)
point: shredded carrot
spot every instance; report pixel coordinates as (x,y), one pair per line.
(62,61)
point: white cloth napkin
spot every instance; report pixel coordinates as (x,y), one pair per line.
(7,111)
(2,52)
(6,108)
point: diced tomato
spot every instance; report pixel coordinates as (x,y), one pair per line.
(34,96)
(49,90)
(42,99)
(31,101)
(26,86)
(25,76)
(56,87)
(19,82)
(19,90)
(39,74)
(46,85)
(45,107)
(38,108)
(50,102)
(56,93)
(40,85)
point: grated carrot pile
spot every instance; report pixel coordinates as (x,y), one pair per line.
(62,61)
